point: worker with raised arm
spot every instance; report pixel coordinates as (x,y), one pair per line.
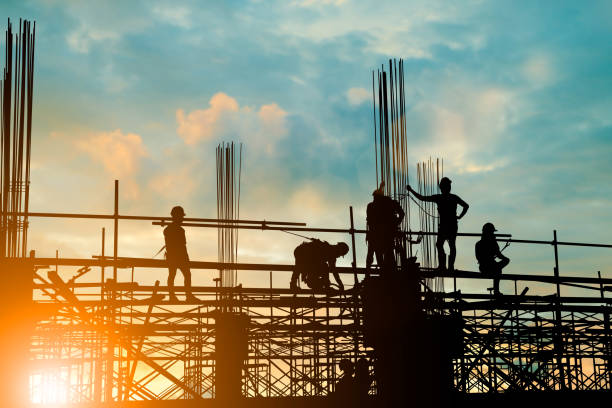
(447,225)
(487,250)
(176,254)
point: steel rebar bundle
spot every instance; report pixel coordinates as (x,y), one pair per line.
(228,207)
(16,93)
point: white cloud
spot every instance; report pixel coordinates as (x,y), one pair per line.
(538,70)
(81,39)
(119,153)
(174,182)
(176,15)
(224,117)
(357,96)
(98,22)
(201,124)
(319,3)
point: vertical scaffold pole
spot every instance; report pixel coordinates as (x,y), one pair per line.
(558,322)
(353,246)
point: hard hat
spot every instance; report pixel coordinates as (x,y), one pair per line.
(177,211)
(488,227)
(343,247)
(445,180)
(379,190)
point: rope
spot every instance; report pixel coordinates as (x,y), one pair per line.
(298,235)
(417,204)
(161,249)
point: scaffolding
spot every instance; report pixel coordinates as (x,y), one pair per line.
(102,341)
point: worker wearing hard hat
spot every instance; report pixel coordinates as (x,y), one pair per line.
(176,254)
(383,218)
(447,226)
(487,250)
(314,261)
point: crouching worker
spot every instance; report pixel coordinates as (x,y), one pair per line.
(487,250)
(314,261)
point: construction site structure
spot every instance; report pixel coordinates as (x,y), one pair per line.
(74,333)
(112,341)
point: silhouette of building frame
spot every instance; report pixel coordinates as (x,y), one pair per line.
(118,341)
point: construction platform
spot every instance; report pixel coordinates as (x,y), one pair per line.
(117,342)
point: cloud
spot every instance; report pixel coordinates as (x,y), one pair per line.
(273,124)
(174,182)
(174,15)
(98,22)
(357,96)
(225,117)
(81,39)
(119,153)
(319,3)
(201,124)
(538,70)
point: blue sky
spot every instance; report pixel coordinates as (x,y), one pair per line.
(515,96)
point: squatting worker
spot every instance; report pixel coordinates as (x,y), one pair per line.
(487,250)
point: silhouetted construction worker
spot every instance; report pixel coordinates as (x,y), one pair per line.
(176,254)
(314,261)
(487,250)
(383,217)
(363,379)
(447,225)
(345,385)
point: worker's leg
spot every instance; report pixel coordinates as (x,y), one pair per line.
(452,253)
(389,255)
(187,278)
(369,258)
(441,253)
(171,276)
(293,285)
(496,275)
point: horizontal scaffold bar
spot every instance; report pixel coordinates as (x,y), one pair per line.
(124,262)
(146,218)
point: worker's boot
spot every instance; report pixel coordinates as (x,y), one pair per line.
(172,297)
(189,298)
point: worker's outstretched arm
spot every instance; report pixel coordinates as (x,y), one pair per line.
(500,255)
(465,207)
(419,196)
(337,278)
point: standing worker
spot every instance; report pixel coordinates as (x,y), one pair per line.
(383,217)
(314,261)
(176,254)
(447,226)
(487,250)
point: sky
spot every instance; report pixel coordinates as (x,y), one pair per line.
(514,96)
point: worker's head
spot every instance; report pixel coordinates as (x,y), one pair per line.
(177,213)
(445,185)
(346,366)
(488,229)
(380,191)
(341,249)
